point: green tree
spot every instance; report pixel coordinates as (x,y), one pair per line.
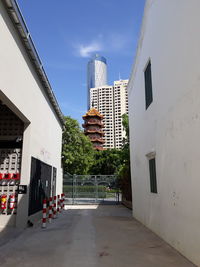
(77,149)
(125,124)
(113,161)
(106,162)
(124,170)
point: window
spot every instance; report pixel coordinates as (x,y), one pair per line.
(152,172)
(148,85)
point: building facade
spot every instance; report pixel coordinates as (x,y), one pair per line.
(96,73)
(93,128)
(164,115)
(112,103)
(120,107)
(30,125)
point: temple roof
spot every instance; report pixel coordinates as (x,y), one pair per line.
(99,123)
(93,112)
(88,131)
(98,140)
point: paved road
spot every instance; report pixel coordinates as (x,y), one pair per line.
(90,236)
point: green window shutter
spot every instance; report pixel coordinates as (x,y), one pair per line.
(148,85)
(152,171)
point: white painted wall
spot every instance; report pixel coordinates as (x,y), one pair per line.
(20,84)
(170,126)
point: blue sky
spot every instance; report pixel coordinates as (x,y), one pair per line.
(67,32)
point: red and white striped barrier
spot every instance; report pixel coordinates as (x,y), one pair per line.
(60,210)
(54,207)
(63,199)
(61,202)
(44,214)
(58,204)
(50,209)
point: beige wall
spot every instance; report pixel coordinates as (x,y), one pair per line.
(19,85)
(170,127)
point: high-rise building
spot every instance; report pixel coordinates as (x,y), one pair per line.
(120,107)
(97,73)
(112,103)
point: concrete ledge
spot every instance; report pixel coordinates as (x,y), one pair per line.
(36,218)
(127,204)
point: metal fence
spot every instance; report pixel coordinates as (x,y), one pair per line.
(89,189)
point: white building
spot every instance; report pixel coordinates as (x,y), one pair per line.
(164,112)
(96,73)
(112,103)
(30,124)
(120,107)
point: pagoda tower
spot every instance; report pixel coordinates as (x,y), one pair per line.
(93,128)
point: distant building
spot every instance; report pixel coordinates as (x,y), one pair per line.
(94,128)
(120,107)
(97,73)
(112,103)
(164,116)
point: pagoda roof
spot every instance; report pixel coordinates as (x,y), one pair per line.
(98,140)
(88,131)
(93,112)
(93,123)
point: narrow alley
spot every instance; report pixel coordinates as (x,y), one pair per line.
(90,236)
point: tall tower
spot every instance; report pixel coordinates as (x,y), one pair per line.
(94,128)
(97,74)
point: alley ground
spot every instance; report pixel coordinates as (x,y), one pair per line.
(90,236)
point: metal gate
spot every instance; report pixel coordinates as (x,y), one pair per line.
(40,184)
(89,189)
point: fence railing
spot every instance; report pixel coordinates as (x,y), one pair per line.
(91,188)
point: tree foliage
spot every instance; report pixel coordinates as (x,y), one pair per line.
(79,157)
(106,162)
(125,124)
(77,149)
(124,170)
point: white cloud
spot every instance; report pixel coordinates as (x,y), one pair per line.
(112,43)
(87,50)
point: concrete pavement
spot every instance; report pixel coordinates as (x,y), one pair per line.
(91,236)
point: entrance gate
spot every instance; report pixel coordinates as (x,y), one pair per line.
(89,189)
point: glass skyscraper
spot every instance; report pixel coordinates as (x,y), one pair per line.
(97,74)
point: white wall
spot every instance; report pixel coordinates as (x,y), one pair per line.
(19,83)
(170,126)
